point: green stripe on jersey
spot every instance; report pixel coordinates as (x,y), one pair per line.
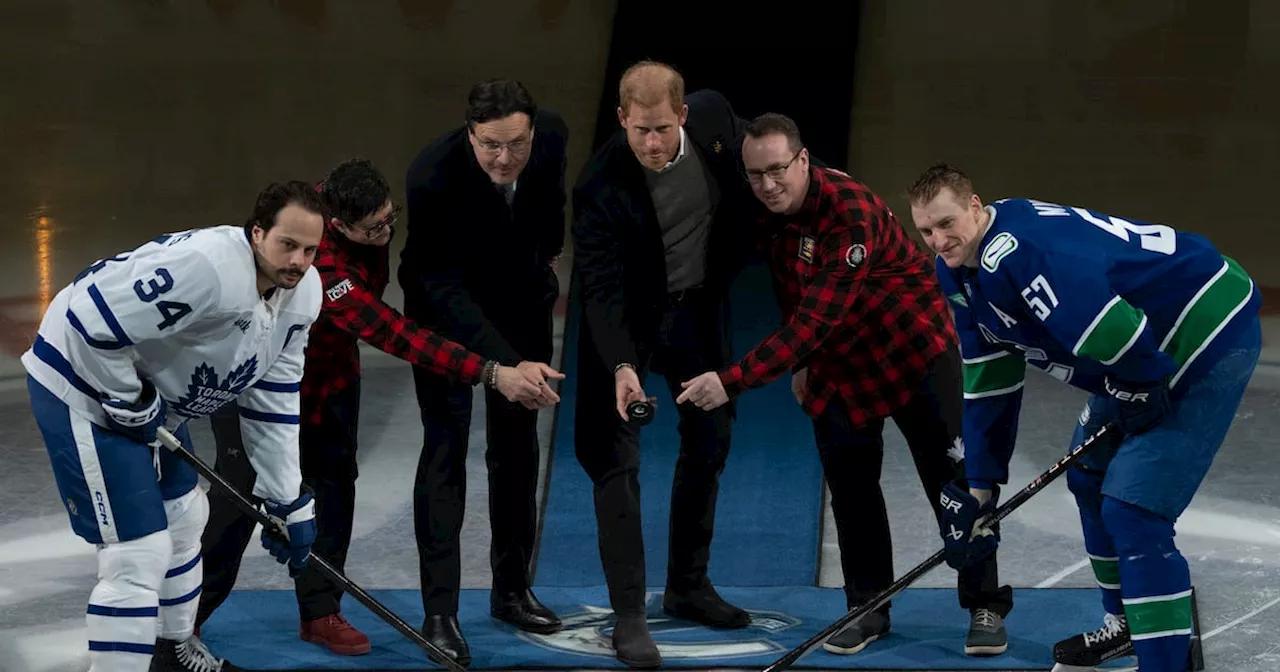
(993,375)
(1106,571)
(1112,332)
(1206,314)
(1150,617)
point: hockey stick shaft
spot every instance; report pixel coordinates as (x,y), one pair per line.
(250,509)
(1053,472)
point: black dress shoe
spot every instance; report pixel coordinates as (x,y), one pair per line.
(706,607)
(632,643)
(524,611)
(443,632)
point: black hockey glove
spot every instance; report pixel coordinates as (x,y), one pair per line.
(1137,407)
(962,544)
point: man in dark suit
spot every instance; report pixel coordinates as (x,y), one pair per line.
(655,251)
(486,219)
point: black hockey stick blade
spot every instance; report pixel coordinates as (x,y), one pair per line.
(1053,472)
(242,502)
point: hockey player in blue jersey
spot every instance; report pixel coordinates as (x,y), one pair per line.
(155,337)
(1160,327)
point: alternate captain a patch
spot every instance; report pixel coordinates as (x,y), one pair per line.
(806,248)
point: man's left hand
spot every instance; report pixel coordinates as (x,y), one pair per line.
(706,391)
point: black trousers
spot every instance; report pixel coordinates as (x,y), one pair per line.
(609,452)
(851,459)
(328,454)
(440,488)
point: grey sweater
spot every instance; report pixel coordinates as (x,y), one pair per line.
(684,196)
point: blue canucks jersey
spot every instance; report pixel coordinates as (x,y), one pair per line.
(1079,295)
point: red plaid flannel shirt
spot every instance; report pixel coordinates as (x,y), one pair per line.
(354,277)
(861,306)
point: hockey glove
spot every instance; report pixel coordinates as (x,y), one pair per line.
(960,514)
(299,518)
(1137,407)
(137,420)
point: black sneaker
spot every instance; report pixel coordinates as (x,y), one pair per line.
(858,635)
(1091,649)
(190,655)
(986,634)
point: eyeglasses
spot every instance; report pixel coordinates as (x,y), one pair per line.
(517,146)
(376,230)
(775,172)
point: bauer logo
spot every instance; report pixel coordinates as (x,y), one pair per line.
(589,632)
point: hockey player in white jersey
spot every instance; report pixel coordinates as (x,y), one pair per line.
(158,336)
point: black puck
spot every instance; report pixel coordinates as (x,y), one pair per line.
(640,412)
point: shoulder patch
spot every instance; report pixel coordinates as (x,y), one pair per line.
(855,255)
(1000,247)
(339,290)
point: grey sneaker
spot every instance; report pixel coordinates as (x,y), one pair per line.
(858,635)
(986,634)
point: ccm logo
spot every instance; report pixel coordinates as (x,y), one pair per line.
(101,503)
(1125,396)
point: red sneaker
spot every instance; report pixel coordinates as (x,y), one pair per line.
(334,632)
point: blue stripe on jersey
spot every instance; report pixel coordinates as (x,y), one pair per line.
(261,416)
(277,387)
(122,339)
(50,355)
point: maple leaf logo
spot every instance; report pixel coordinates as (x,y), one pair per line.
(205,394)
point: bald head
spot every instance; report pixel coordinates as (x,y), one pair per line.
(649,84)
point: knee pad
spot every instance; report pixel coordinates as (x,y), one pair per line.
(187,516)
(120,618)
(135,566)
(185,574)
(1136,531)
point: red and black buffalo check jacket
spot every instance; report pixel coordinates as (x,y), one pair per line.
(354,277)
(861,307)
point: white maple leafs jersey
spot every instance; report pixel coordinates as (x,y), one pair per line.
(184,312)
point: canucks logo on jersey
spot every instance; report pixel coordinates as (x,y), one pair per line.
(206,394)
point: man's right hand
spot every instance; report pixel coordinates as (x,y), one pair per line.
(526,384)
(626,389)
(137,420)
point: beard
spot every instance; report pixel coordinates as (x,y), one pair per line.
(288,278)
(282,277)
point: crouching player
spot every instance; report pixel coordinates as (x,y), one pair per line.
(174,330)
(1163,331)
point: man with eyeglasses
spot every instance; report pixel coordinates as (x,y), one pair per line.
(486,208)
(866,335)
(353,263)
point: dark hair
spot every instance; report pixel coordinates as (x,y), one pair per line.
(497,99)
(276,196)
(354,189)
(934,179)
(770,123)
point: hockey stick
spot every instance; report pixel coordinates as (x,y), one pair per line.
(434,652)
(1057,469)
